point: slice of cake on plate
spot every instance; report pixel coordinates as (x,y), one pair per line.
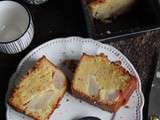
(102,83)
(39,91)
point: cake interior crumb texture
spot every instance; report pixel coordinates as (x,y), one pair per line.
(101,82)
(39,90)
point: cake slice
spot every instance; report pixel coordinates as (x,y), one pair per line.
(102,83)
(39,90)
(105,9)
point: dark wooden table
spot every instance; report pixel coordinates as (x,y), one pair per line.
(65,18)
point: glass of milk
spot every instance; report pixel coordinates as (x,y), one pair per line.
(16,27)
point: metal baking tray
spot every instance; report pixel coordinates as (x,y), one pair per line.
(144,17)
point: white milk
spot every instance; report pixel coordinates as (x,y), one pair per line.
(9,32)
(14,21)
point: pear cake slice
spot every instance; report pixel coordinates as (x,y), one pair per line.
(39,91)
(102,83)
(106,9)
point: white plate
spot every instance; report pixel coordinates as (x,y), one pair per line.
(60,49)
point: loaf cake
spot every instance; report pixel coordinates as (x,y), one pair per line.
(105,9)
(102,83)
(39,90)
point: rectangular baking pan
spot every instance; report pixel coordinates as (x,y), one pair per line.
(144,17)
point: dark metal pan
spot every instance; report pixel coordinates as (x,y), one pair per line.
(144,17)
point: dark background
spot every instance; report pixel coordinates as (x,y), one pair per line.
(63,18)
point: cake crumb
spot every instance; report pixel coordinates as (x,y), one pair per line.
(58,106)
(101,33)
(126,106)
(108,32)
(67,100)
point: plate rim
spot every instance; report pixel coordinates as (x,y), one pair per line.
(82,40)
